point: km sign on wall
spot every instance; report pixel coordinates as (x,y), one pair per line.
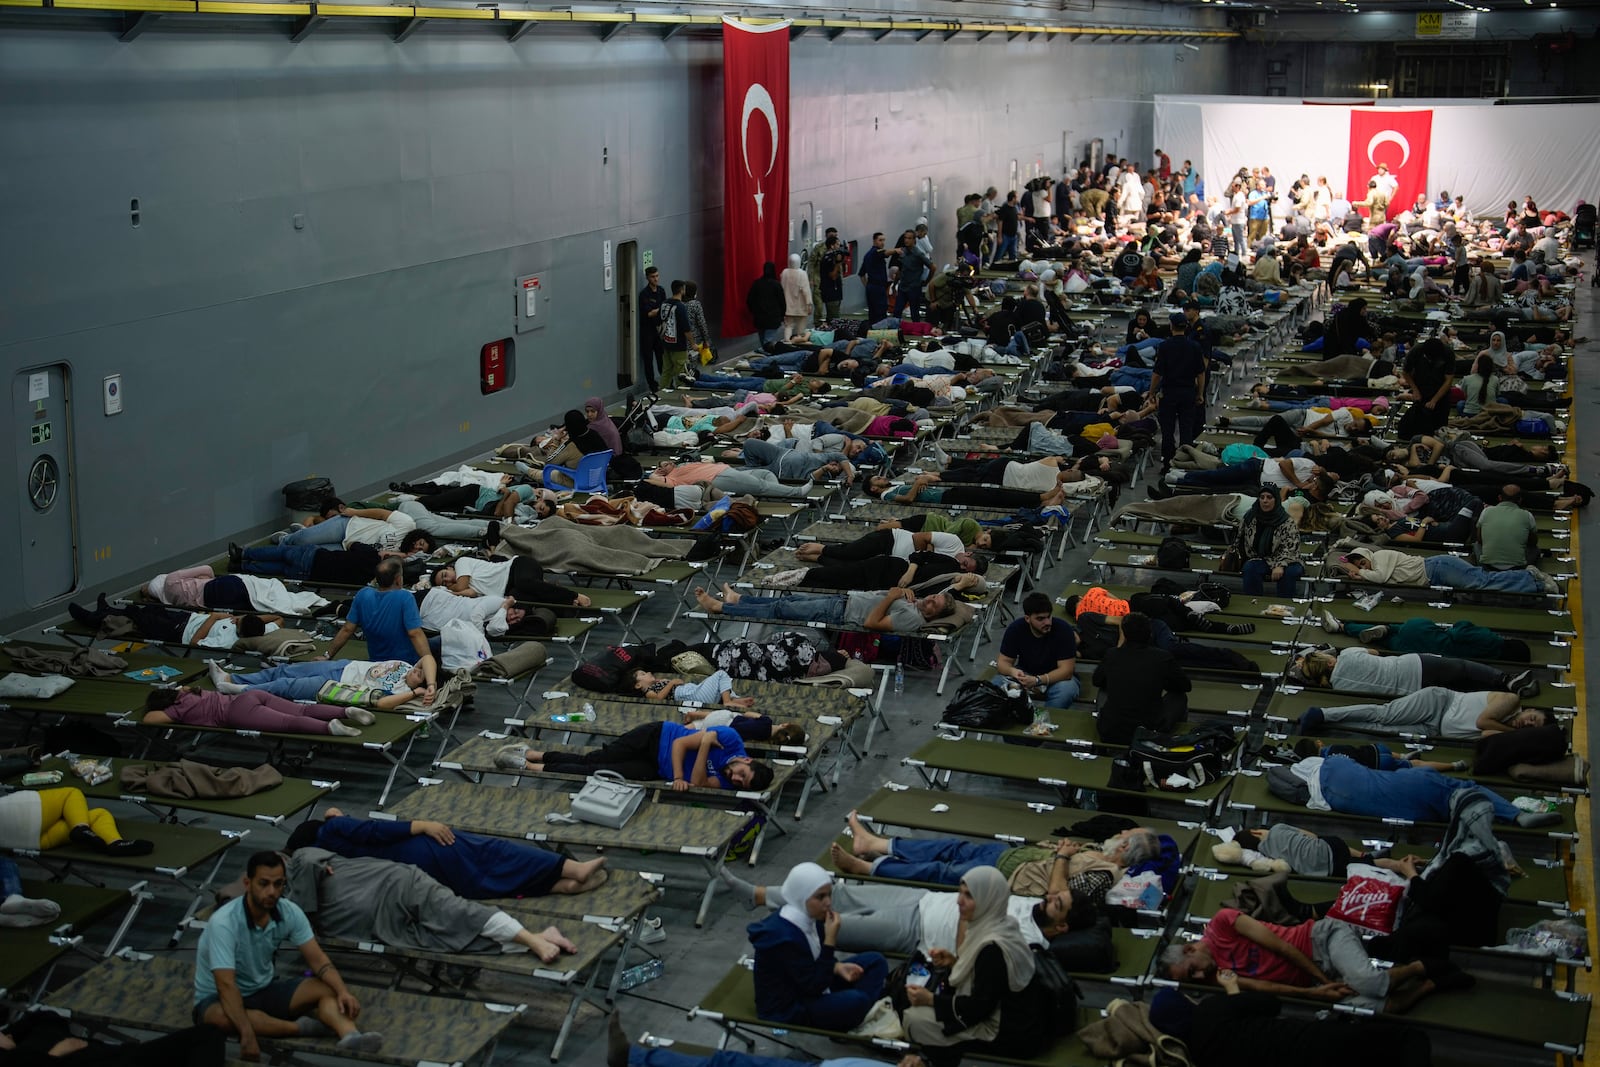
(755,124)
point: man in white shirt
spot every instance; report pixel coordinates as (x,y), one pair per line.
(1238,212)
(1387,183)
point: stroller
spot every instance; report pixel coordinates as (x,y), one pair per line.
(1583,226)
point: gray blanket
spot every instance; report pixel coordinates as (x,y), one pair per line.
(391,903)
(564,546)
(1194,508)
(188,780)
(77,662)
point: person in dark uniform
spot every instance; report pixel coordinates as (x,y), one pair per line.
(1179,384)
(651,350)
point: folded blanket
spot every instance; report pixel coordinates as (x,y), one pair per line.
(29,687)
(453,692)
(79,662)
(853,675)
(281,642)
(189,780)
(618,550)
(1010,416)
(519,658)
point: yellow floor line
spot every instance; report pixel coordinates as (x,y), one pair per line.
(1580,888)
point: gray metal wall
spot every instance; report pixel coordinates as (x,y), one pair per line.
(426,176)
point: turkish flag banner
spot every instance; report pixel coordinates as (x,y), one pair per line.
(755,125)
(1397,138)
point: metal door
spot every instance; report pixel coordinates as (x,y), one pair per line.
(800,232)
(628,286)
(46,518)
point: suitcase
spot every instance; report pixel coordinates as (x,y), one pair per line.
(607,799)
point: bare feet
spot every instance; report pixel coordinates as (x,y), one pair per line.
(560,940)
(863,841)
(706,601)
(846,863)
(809,552)
(740,702)
(729,596)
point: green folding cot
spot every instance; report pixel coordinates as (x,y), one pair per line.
(271,806)
(700,832)
(1289,703)
(26,952)
(157,994)
(938,760)
(1251,795)
(731,1004)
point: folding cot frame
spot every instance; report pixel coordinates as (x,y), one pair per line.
(474,759)
(731,1006)
(181,851)
(820,729)
(388,729)
(576,975)
(145,994)
(37,950)
(272,807)
(654,828)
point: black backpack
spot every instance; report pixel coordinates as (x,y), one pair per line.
(1172,554)
(1201,755)
(980,705)
(1057,994)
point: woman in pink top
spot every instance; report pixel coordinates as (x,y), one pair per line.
(252,710)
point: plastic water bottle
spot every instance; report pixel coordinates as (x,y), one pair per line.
(648,971)
(899,679)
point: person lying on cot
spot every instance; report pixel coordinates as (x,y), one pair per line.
(1388,566)
(49,818)
(251,710)
(714,758)
(688,480)
(521,577)
(968,530)
(927,489)
(1362,670)
(750,725)
(899,610)
(1319,959)
(236,988)
(890,541)
(1462,638)
(342,525)
(781,657)
(1433,711)
(714,689)
(470,865)
(397,681)
(499,501)
(355,565)
(205,629)
(1388,787)
(964,570)
(792,465)
(1087,870)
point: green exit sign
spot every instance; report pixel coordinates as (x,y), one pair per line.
(39,433)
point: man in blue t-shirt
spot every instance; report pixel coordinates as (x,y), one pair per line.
(713,758)
(1040,652)
(391,625)
(236,988)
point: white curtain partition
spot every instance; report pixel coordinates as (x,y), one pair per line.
(1486,153)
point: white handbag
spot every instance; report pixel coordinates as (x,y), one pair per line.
(607,799)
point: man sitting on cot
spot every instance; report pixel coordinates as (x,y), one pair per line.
(1088,871)
(898,611)
(469,865)
(709,759)
(236,988)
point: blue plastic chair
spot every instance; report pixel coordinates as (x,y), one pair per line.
(588,477)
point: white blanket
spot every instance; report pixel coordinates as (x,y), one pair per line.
(269,594)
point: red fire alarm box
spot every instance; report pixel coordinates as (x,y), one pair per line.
(497,365)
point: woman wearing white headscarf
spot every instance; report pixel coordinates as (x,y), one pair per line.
(988,996)
(798,980)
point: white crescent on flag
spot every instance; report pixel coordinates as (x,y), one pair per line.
(758,100)
(1387,135)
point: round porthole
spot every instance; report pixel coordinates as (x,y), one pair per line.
(44,481)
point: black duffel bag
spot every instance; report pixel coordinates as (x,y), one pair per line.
(307,495)
(979,705)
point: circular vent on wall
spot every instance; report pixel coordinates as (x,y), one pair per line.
(44,480)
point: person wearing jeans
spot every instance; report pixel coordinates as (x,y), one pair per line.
(329,531)
(826,609)
(1457,573)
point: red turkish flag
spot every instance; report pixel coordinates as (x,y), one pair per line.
(1398,138)
(755,185)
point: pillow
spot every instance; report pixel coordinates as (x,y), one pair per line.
(822,337)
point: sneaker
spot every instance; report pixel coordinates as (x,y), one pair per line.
(1331,623)
(235,558)
(360,716)
(130,846)
(1173,477)
(1533,820)
(1547,584)
(511,758)
(1373,634)
(339,728)
(1524,685)
(358,1041)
